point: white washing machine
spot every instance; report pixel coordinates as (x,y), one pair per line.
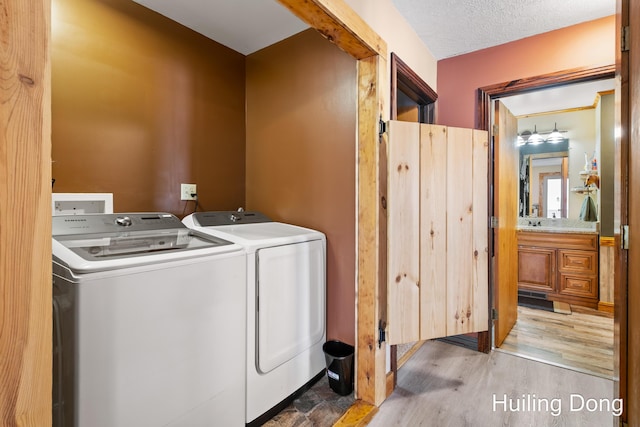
(149,323)
(286,299)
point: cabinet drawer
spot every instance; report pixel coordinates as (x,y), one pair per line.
(580,286)
(559,240)
(581,262)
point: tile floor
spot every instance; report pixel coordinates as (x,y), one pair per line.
(318,407)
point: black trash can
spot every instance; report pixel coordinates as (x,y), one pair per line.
(339,359)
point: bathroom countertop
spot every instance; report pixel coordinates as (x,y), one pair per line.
(549,229)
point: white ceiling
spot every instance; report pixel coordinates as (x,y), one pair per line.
(245,26)
(565,97)
(447,27)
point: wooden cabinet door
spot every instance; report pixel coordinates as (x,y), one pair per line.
(536,269)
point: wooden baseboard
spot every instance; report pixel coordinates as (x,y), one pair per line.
(359,414)
(605,306)
(391,383)
(403,359)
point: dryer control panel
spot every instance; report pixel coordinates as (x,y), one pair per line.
(216,218)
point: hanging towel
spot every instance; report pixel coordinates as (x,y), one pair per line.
(588,210)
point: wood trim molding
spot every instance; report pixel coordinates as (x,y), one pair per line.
(607,241)
(528,84)
(25,146)
(371,302)
(605,306)
(402,74)
(340,24)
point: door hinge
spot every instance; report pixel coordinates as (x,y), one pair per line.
(494,314)
(495,129)
(624,39)
(381,333)
(382,126)
(624,234)
(493,222)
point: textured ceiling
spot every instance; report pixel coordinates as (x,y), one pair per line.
(454,27)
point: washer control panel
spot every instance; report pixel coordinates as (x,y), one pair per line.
(105,223)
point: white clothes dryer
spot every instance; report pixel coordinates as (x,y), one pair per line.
(286,305)
(149,323)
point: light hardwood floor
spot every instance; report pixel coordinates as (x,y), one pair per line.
(582,340)
(446,385)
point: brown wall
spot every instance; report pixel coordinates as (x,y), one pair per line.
(301,146)
(141,104)
(584,45)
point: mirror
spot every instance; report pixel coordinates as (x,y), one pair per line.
(544,180)
(544,185)
(584,115)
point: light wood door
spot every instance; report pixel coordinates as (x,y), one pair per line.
(505,185)
(437,231)
(403,244)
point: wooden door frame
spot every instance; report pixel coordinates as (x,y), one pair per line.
(25,217)
(402,76)
(627,275)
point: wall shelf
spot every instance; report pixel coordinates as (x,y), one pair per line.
(584,190)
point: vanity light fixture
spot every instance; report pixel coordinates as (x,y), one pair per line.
(535,138)
(523,138)
(555,136)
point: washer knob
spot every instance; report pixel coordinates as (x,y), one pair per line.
(123,221)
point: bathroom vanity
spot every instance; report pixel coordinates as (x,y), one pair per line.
(559,263)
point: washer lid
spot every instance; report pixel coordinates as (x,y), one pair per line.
(102,246)
(264,234)
(111,241)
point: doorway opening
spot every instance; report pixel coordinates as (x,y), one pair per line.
(541,283)
(412,100)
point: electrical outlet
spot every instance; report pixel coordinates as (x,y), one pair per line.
(186,191)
